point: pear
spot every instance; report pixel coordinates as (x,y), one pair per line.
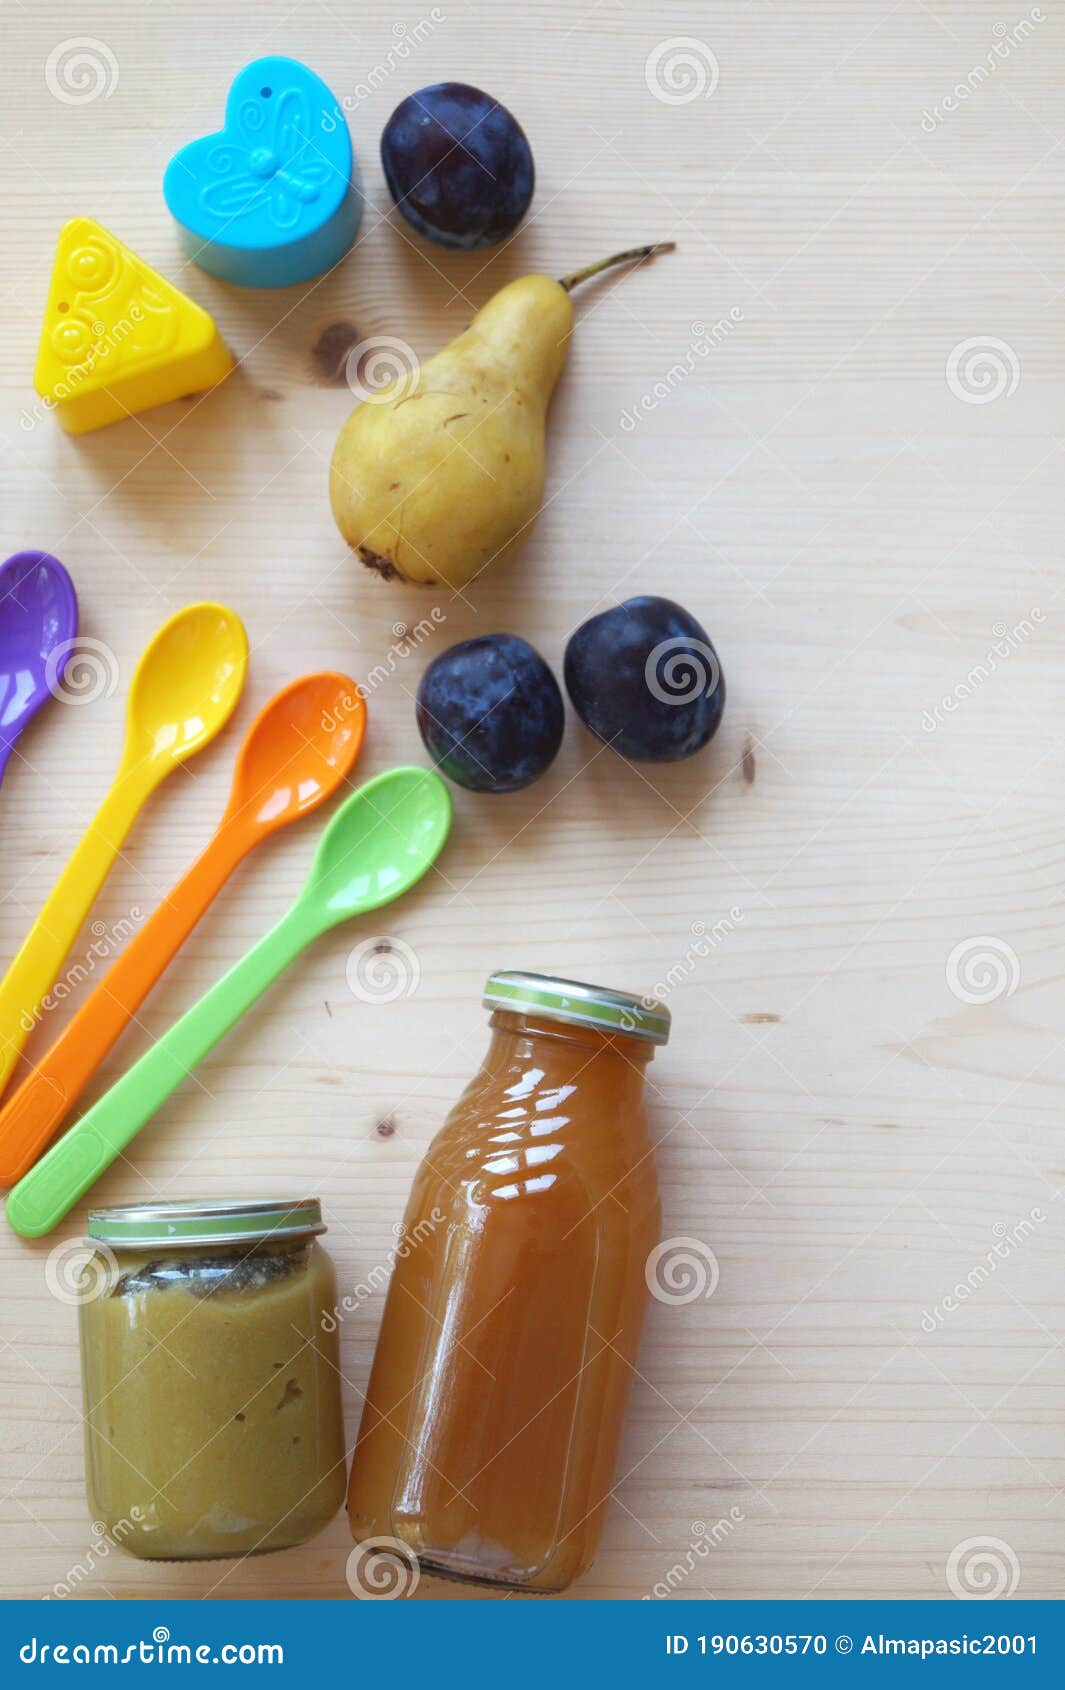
(438,474)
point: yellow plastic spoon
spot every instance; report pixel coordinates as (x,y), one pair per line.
(183,691)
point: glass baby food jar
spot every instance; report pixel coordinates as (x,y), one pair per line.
(213,1422)
(492,1420)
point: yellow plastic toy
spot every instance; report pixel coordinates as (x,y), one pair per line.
(118,337)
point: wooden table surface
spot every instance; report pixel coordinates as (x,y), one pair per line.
(831,425)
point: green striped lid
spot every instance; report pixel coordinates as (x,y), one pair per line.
(583,1006)
(205,1221)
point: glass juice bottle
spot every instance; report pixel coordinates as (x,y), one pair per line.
(492,1420)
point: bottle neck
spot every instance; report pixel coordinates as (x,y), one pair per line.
(569,1053)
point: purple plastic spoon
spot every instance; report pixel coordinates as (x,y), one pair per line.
(38,625)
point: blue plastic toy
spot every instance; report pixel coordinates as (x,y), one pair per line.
(275,196)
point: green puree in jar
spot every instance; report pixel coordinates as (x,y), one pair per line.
(211,1385)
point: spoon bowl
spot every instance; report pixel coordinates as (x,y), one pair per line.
(377,845)
(38,625)
(186,685)
(297,751)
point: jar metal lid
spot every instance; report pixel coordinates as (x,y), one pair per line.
(582,1005)
(205,1221)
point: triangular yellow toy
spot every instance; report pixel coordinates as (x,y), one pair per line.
(118,337)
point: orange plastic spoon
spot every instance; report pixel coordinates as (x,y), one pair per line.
(298,750)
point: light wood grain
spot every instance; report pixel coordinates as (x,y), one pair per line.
(843,1130)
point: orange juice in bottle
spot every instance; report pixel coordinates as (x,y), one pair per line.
(494,1411)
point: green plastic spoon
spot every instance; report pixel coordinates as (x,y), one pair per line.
(377,846)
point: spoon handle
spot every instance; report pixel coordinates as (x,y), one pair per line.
(36,964)
(30,1117)
(66,1171)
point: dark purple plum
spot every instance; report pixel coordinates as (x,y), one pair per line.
(458,166)
(490,713)
(645,678)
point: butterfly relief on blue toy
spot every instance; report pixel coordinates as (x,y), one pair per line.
(274,197)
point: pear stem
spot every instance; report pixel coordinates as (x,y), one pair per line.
(628,257)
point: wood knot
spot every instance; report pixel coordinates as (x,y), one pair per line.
(331,351)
